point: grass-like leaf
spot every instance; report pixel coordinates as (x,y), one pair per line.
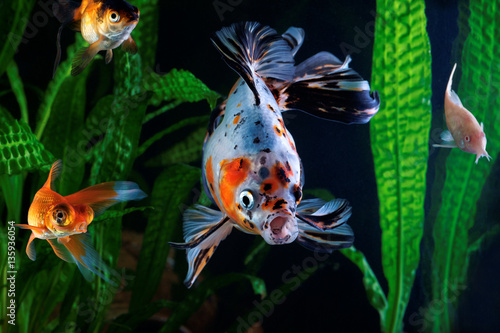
(14,16)
(130,321)
(170,191)
(19,148)
(111,214)
(465,180)
(399,135)
(18,88)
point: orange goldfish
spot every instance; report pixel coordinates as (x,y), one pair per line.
(104,24)
(463,131)
(251,168)
(63,221)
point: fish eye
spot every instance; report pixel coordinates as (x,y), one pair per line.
(246,199)
(60,217)
(114,17)
(467,138)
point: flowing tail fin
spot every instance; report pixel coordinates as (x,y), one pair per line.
(327,88)
(254,50)
(102,196)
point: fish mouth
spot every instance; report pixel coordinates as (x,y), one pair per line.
(82,227)
(281,230)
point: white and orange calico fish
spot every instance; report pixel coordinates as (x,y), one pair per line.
(104,24)
(463,131)
(63,221)
(252,171)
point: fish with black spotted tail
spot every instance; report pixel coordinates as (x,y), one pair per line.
(251,168)
(104,24)
(63,221)
(463,131)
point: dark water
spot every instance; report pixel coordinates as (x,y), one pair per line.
(335,156)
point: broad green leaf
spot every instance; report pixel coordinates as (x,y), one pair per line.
(14,16)
(63,72)
(195,299)
(19,148)
(399,135)
(18,88)
(65,137)
(179,85)
(171,189)
(478,91)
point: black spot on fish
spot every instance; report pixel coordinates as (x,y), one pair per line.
(238,206)
(211,187)
(248,223)
(250,214)
(268,187)
(263,172)
(270,107)
(257,122)
(263,160)
(298,193)
(256,140)
(280,172)
(267,150)
(241,122)
(235,91)
(225,133)
(288,166)
(235,146)
(241,164)
(279,204)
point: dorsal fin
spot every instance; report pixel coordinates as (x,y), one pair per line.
(55,171)
(251,49)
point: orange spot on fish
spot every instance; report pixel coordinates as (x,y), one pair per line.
(233,173)
(277,129)
(209,174)
(236,119)
(239,104)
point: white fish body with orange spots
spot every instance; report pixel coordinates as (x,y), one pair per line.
(252,170)
(464,131)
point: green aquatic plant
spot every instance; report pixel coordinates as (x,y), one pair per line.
(455,216)
(399,136)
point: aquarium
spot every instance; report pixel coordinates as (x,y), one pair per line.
(107,143)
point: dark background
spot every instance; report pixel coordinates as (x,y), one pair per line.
(335,156)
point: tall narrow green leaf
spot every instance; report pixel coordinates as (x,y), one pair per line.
(399,134)
(465,180)
(170,191)
(19,148)
(146,32)
(18,88)
(14,16)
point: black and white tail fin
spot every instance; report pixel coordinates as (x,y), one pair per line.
(254,50)
(295,37)
(327,88)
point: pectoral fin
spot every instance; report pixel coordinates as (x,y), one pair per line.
(322,226)
(83,57)
(130,46)
(449,142)
(109,56)
(84,255)
(30,248)
(326,216)
(204,229)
